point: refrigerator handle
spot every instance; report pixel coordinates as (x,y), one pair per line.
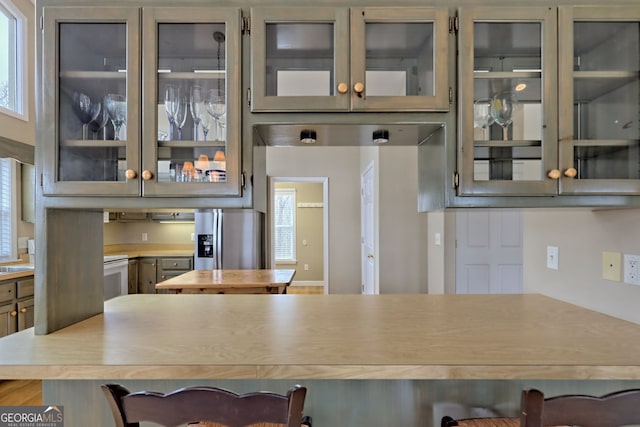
(217,239)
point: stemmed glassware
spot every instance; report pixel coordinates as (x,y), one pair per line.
(180,117)
(99,123)
(171,105)
(85,110)
(503,106)
(116,106)
(206,120)
(217,108)
(482,117)
(197,108)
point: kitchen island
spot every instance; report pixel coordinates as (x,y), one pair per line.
(417,347)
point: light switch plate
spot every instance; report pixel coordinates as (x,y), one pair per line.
(552,257)
(611,262)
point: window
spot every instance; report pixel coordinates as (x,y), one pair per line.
(8,225)
(13,60)
(285,224)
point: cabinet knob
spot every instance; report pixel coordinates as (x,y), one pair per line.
(14,313)
(554,174)
(175,264)
(147,175)
(130,174)
(23,310)
(570,173)
(343,88)
(358,87)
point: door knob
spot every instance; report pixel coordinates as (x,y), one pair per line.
(370,256)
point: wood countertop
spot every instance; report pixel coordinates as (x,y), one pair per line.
(331,337)
(224,281)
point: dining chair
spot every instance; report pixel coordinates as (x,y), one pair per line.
(480,422)
(206,406)
(611,410)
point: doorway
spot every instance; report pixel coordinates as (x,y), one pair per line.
(367,221)
(300,241)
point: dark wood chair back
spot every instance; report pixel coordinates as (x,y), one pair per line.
(612,410)
(209,406)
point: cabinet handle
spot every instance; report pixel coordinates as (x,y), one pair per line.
(175,264)
(343,88)
(147,175)
(571,173)
(23,310)
(358,87)
(14,313)
(554,174)
(130,174)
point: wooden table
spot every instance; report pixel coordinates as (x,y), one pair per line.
(229,282)
(367,360)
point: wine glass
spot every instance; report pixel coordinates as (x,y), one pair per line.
(216,107)
(197,108)
(98,124)
(116,106)
(85,110)
(171,103)
(180,117)
(502,108)
(206,120)
(482,117)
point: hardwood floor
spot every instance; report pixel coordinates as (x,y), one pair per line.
(20,393)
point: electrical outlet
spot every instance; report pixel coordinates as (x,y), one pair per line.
(193,237)
(306,267)
(145,237)
(632,269)
(552,257)
(611,266)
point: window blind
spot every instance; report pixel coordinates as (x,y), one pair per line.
(285,226)
(6,212)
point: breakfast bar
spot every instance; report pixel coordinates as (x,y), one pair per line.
(384,346)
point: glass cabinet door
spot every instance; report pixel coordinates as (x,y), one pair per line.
(191,102)
(399,59)
(299,59)
(600,100)
(507,96)
(90,106)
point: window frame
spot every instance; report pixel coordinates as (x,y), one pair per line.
(21,60)
(288,192)
(11,189)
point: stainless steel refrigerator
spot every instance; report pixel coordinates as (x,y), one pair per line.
(229,239)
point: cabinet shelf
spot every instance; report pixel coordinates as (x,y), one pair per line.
(93,143)
(508,143)
(605,143)
(191,144)
(589,85)
(97,75)
(195,75)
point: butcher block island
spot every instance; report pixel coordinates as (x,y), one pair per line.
(386,355)
(229,282)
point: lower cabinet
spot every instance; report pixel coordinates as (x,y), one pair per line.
(16,305)
(153,270)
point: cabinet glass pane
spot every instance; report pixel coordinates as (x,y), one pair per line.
(92,69)
(399,59)
(299,59)
(606,88)
(192,102)
(508,101)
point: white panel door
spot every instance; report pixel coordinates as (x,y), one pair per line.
(367,195)
(488,251)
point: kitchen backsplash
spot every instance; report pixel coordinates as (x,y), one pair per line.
(147,232)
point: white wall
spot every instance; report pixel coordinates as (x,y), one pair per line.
(402,264)
(582,236)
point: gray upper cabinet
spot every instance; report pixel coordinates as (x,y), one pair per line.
(349,59)
(599,87)
(121,88)
(507,101)
(549,101)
